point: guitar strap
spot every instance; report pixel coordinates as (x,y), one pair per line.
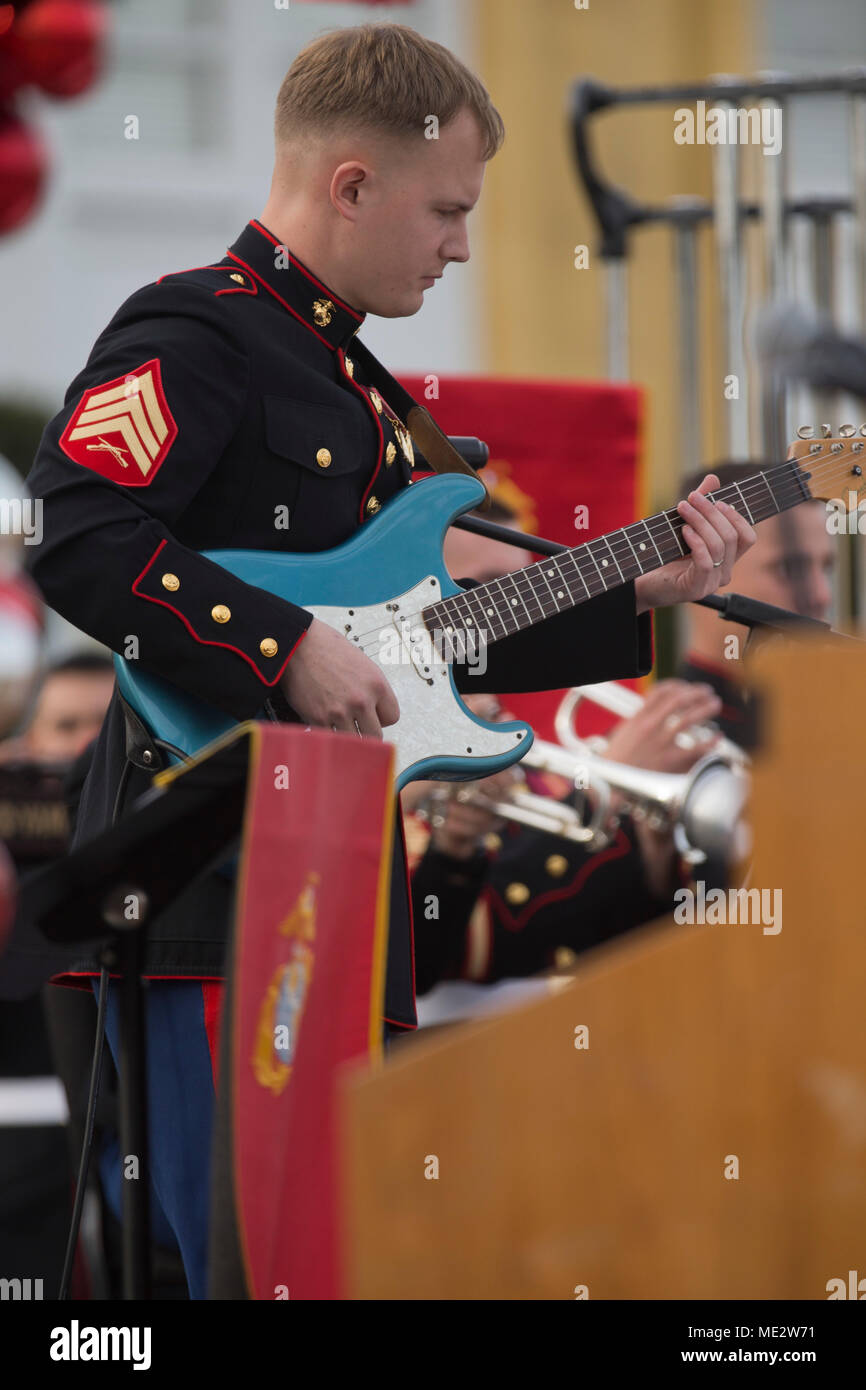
(434,445)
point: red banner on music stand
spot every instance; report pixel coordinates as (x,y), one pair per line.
(308,981)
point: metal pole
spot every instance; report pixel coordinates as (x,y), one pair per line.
(774,172)
(857,154)
(617,319)
(726,193)
(688,319)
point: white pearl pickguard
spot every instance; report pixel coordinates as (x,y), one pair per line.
(433,723)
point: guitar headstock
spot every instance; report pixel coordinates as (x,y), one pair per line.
(835,464)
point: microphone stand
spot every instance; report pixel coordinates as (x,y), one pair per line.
(751,613)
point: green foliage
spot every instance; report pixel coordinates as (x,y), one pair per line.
(21,426)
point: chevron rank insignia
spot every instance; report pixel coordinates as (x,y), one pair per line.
(123,429)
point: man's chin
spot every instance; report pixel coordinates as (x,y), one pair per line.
(401,308)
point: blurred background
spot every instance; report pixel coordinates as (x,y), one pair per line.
(90,214)
(136,140)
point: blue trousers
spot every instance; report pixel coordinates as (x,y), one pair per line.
(181,1093)
(180,1115)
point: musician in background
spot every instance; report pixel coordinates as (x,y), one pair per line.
(514,901)
(36,1171)
(494,900)
(792,565)
(67,711)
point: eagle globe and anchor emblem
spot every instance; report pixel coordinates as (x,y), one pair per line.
(283,1004)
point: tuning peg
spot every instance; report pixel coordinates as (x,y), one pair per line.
(826,431)
(806,432)
(846,431)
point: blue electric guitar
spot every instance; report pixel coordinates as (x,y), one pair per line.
(387,590)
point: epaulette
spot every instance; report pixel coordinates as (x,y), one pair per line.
(219,279)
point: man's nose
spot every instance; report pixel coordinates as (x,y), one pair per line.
(456,246)
(820,594)
(813,596)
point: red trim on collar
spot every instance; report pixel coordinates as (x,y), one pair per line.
(293,260)
(294,313)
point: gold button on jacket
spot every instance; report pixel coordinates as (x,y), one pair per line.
(556,865)
(323,458)
(268,646)
(170,581)
(220,613)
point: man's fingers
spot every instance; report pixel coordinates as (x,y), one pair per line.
(387,707)
(712,524)
(365,723)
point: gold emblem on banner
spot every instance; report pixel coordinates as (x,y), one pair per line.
(283,1004)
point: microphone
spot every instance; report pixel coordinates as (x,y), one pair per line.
(472,451)
(801,347)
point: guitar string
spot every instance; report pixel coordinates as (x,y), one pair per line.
(670,520)
(784,492)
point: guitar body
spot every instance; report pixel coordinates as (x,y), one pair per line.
(371,589)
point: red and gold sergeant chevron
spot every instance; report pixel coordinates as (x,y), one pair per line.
(124,428)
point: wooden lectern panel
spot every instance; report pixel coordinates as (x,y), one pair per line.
(711,1048)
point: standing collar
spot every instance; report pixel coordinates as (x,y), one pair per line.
(300,292)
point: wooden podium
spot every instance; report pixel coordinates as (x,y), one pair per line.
(710,1140)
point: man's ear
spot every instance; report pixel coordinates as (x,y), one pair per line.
(347,185)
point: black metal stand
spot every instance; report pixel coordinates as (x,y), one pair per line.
(505,533)
(122,880)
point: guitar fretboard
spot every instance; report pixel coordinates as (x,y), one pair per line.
(524,597)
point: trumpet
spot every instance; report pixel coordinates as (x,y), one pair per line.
(621,700)
(702,808)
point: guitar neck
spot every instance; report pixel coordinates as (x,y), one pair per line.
(528,596)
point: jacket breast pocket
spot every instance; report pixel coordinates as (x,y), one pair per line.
(322,439)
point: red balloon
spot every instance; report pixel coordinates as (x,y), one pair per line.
(58,44)
(23,166)
(11,75)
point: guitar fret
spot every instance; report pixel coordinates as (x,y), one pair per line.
(572,559)
(553,584)
(632,549)
(529,594)
(588,549)
(540,599)
(612,554)
(569,588)
(484,613)
(680,550)
(744,502)
(770,491)
(509,604)
(545,576)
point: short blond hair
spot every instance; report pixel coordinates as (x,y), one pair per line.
(384,77)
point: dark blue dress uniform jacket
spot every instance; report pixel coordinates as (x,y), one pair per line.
(222,408)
